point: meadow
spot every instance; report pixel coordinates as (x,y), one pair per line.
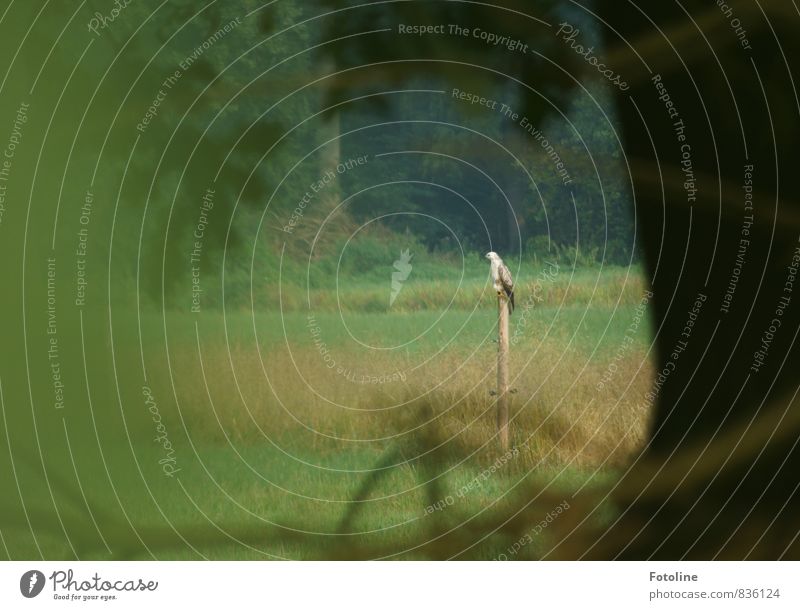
(355,422)
(356,429)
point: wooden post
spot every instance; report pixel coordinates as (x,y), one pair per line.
(502,371)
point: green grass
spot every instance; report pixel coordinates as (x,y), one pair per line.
(426,290)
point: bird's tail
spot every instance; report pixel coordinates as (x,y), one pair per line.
(510,302)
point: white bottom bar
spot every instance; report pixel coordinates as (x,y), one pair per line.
(400,585)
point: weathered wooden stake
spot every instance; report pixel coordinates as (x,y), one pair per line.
(502,371)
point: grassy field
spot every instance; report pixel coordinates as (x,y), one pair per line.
(314,403)
(366,431)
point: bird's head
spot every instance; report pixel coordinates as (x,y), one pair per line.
(492,256)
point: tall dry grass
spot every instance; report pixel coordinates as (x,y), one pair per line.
(290,397)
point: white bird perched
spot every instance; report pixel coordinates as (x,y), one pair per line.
(501,277)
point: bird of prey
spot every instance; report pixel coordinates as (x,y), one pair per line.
(501,277)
